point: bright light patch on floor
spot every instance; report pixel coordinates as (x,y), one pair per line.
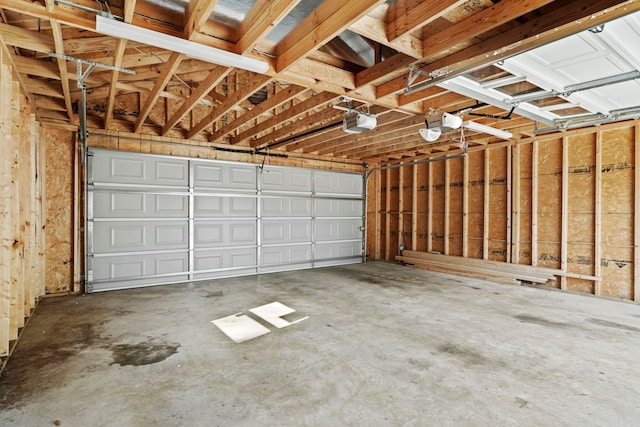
(240,327)
(273,313)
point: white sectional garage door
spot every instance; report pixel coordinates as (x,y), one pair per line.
(158,219)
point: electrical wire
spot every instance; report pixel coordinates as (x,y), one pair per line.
(153,55)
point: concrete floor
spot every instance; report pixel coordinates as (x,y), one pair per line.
(384,345)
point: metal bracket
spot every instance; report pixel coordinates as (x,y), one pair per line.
(82,136)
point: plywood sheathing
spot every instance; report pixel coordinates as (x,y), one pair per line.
(498,206)
(59,220)
(406,191)
(476,203)
(549,203)
(456,187)
(525,203)
(581,211)
(393,217)
(438,207)
(617,213)
(422,189)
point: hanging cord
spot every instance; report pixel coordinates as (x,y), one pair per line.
(153,55)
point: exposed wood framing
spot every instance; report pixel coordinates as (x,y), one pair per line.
(486,207)
(168,71)
(447,204)
(597,244)
(321,26)
(414,208)
(263,16)
(402,21)
(401,211)
(17,283)
(476,24)
(534,203)
(636,231)
(515,200)
(118,55)
(378,215)
(388,209)
(5,207)
(430,208)
(564,206)
(465,207)
(509,212)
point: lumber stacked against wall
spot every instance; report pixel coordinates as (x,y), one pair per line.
(21,215)
(495,271)
(569,203)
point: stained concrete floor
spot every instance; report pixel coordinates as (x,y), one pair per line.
(384,345)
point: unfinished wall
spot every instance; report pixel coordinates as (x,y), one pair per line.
(60,179)
(569,203)
(64,210)
(21,217)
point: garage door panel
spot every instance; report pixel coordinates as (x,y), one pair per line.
(291,231)
(224,258)
(130,236)
(338,229)
(137,282)
(158,219)
(134,169)
(116,267)
(286,207)
(127,204)
(337,207)
(339,251)
(224,176)
(236,272)
(285,180)
(281,255)
(224,233)
(221,206)
(338,183)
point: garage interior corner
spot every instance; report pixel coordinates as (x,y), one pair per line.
(371,344)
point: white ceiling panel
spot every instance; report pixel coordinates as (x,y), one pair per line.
(571,49)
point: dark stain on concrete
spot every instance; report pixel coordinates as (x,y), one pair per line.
(372,280)
(419,364)
(609,324)
(51,347)
(542,322)
(214,294)
(142,353)
(468,356)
